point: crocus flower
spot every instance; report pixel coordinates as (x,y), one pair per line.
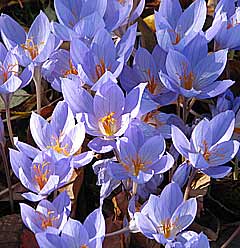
(120,13)
(210,146)
(225,101)
(47,214)
(34,47)
(59,66)
(225,26)
(61,135)
(42,175)
(176,28)
(78,18)
(190,239)
(199,79)
(10,77)
(107,114)
(140,158)
(90,234)
(164,216)
(145,69)
(102,55)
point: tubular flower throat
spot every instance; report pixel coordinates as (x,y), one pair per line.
(166,228)
(187,79)
(72,70)
(41,174)
(4,72)
(48,220)
(101,68)
(152,84)
(107,124)
(58,148)
(32,48)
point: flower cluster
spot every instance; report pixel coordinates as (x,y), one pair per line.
(113,93)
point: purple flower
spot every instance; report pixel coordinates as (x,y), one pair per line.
(190,239)
(145,69)
(225,26)
(195,76)
(225,101)
(47,214)
(34,47)
(102,55)
(176,28)
(10,77)
(74,234)
(78,18)
(61,135)
(59,66)
(107,114)
(120,13)
(210,146)
(43,175)
(164,216)
(140,158)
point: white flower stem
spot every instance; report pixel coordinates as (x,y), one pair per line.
(123,230)
(9,125)
(37,78)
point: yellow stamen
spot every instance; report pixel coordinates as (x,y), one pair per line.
(101,69)
(152,84)
(186,79)
(41,176)
(6,71)
(58,146)
(107,124)
(72,70)
(32,48)
(48,220)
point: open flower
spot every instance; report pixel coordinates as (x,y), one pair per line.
(61,135)
(165,216)
(43,175)
(210,146)
(176,28)
(59,66)
(107,114)
(47,214)
(102,55)
(145,69)
(34,47)
(140,158)
(90,234)
(225,26)
(195,78)
(78,18)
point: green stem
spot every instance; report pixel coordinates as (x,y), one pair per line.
(5,163)
(37,78)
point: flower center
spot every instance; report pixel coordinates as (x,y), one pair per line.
(187,78)
(57,147)
(107,124)
(101,68)
(206,152)
(41,174)
(152,84)
(72,70)
(122,1)
(177,36)
(84,246)
(166,227)
(48,220)
(31,47)
(6,71)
